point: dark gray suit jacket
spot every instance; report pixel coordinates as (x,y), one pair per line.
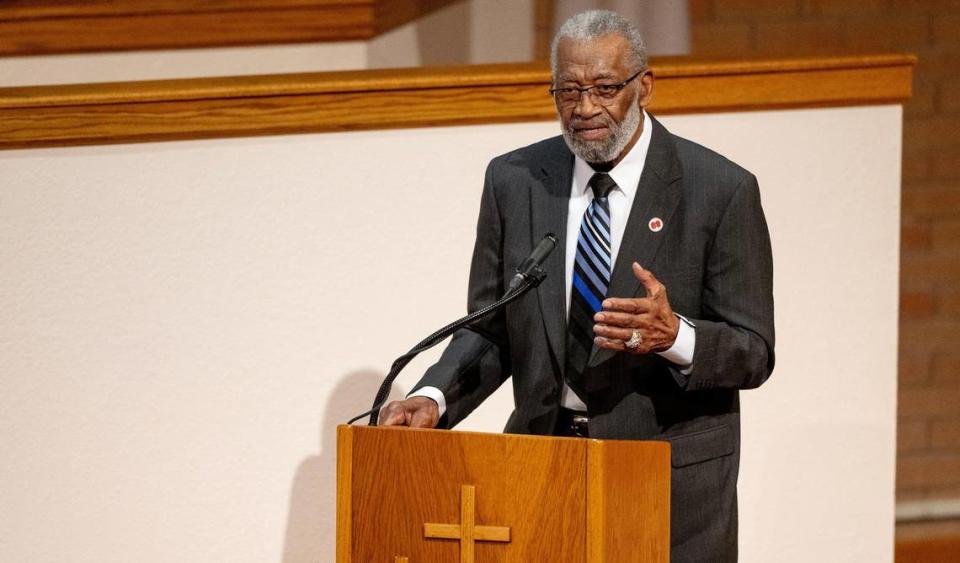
(712,255)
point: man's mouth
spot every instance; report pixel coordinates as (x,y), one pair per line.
(591,133)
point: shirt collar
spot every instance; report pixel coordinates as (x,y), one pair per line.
(627,172)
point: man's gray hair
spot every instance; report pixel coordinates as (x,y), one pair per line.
(597,23)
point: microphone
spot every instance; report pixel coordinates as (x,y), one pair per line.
(531,266)
(529,275)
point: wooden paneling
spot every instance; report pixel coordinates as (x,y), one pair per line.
(433,494)
(766,86)
(615,527)
(57,26)
(344,493)
(928,550)
(34,9)
(404,479)
(355,100)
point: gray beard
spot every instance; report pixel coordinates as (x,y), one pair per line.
(606,150)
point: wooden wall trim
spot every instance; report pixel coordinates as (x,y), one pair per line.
(928,550)
(42,27)
(354,100)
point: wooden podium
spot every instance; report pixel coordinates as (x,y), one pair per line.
(438,496)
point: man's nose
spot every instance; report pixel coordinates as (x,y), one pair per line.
(586,107)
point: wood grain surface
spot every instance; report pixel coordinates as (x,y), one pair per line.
(628,527)
(438,496)
(945,549)
(422,97)
(344,493)
(403,479)
(39,27)
(467,532)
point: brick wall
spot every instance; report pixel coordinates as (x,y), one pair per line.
(928,451)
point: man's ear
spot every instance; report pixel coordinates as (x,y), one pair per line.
(646,84)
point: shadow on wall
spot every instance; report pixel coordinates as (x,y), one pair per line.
(441,37)
(311,521)
(665,24)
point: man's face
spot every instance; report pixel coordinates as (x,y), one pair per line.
(600,130)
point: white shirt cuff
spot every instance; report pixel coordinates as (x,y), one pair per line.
(431,393)
(681,353)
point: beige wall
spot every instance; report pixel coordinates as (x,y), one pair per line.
(184,323)
(467,32)
(184,63)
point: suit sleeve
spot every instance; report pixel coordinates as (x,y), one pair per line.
(735,336)
(477,360)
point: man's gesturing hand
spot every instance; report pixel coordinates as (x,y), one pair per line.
(651,315)
(415,412)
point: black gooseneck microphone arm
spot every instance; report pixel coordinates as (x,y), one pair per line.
(439,336)
(529,275)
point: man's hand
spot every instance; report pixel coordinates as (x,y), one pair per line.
(415,412)
(651,315)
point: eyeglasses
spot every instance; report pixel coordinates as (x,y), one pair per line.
(601,93)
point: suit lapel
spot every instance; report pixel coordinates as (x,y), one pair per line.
(550,199)
(656,197)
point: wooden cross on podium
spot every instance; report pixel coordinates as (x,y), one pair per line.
(467,531)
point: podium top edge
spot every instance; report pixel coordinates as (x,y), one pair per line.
(363,428)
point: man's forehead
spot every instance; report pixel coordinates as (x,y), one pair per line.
(603,57)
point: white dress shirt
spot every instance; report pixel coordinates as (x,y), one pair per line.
(627,176)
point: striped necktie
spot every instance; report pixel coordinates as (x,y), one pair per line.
(591,276)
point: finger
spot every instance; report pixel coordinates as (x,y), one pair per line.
(624,305)
(649,281)
(620,345)
(392,415)
(422,419)
(612,332)
(609,344)
(625,320)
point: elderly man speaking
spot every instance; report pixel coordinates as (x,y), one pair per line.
(658,306)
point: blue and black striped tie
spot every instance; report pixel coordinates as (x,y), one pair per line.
(591,276)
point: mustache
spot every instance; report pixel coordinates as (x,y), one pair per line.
(593,123)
